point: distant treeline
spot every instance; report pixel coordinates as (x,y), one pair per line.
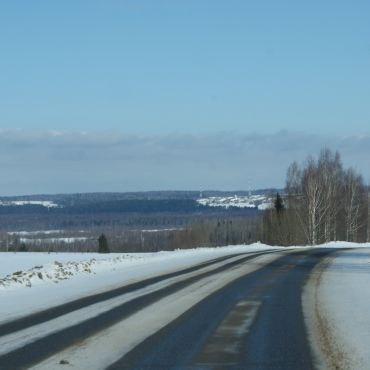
(141,206)
(85,198)
(205,233)
(202,233)
(132,206)
(102,220)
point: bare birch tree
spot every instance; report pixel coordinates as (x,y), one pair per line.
(353,196)
(331,172)
(314,198)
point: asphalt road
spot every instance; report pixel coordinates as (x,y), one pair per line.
(255,322)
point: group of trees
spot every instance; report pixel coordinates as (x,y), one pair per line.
(200,233)
(323,202)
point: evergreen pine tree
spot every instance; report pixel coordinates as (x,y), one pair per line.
(23,247)
(278,204)
(103,244)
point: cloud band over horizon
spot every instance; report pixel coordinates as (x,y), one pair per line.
(42,162)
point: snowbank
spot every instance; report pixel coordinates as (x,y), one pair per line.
(337,308)
(343,245)
(345,301)
(23,263)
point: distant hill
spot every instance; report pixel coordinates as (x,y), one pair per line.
(83,198)
(127,210)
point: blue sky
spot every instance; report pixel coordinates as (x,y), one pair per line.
(185,67)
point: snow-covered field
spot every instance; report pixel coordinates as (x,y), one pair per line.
(38,232)
(43,203)
(43,237)
(261,202)
(40,241)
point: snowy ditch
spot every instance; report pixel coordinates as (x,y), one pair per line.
(57,271)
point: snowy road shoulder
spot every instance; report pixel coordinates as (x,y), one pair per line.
(337,309)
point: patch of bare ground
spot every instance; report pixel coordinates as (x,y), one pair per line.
(329,351)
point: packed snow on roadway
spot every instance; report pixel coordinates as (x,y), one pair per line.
(34,281)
